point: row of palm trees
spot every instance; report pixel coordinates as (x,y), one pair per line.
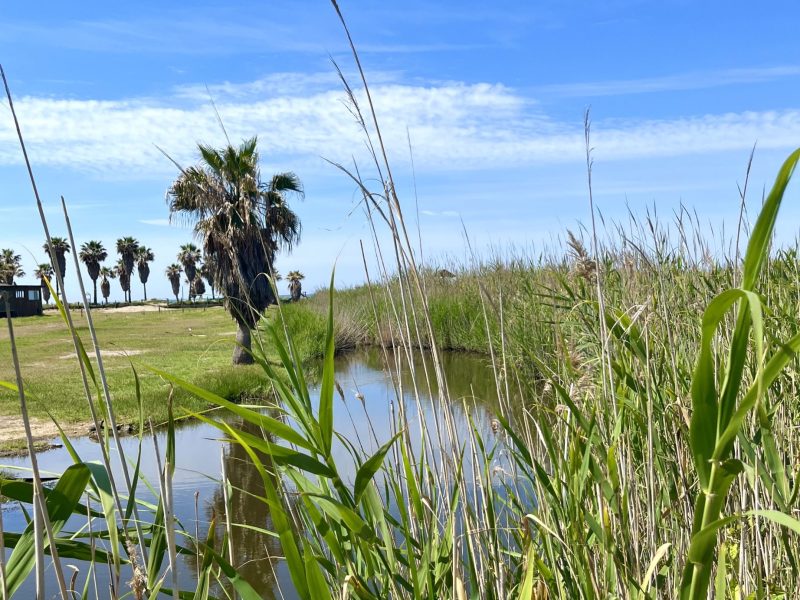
(189,259)
(93,254)
(189,262)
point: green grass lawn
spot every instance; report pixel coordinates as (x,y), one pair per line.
(195,344)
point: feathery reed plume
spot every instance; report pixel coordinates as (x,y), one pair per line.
(583,266)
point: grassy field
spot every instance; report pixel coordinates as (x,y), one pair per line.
(193,343)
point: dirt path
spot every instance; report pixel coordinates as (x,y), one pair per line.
(12,433)
(123,309)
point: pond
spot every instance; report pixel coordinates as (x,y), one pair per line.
(364,418)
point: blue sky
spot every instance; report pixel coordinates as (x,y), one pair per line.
(492,98)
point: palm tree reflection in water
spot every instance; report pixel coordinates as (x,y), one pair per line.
(253,550)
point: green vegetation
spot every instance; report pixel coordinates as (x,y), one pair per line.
(652,456)
(194,343)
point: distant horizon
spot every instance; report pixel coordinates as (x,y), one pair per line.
(481,109)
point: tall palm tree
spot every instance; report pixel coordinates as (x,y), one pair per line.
(44,270)
(189,257)
(92,254)
(295,287)
(127,248)
(173,273)
(10,266)
(105,284)
(144,256)
(60,248)
(124,279)
(243,223)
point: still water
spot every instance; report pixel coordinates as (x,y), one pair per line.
(369,401)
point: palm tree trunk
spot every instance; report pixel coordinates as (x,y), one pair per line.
(94,281)
(144,285)
(241,352)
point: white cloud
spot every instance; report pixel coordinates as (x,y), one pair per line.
(442,213)
(453,126)
(696,80)
(157,222)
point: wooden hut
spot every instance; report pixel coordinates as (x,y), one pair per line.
(25,300)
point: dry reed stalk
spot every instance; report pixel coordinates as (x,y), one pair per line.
(41,517)
(109,405)
(71,327)
(3,589)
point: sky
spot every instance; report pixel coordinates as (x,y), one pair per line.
(481,105)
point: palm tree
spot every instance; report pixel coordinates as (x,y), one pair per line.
(144,256)
(44,270)
(127,248)
(10,266)
(189,257)
(174,275)
(60,248)
(92,254)
(198,288)
(105,284)
(242,222)
(207,272)
(295,287)
(124,279)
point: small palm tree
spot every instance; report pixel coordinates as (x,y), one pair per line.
(127,248)
(144,256)
(105,284)
(243,222)
(295,287)
(92,254)
(174,275)
(124,279)
(189,257)
(60,248)
(44,270)
(10,266)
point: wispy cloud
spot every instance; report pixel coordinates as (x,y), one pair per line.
(441,213)
(695,80)
(453,126)
(178,33)
(157,222)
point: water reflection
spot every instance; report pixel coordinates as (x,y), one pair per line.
(255,554)
(364,418)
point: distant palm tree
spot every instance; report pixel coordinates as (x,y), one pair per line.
(44,270)
(207,272)
(105,284)
(92,254)
(10,266)
(189,257)
(144,256)
(124,279)
(60,248)
(127,248)
(243,222)
(174,275)
(295,287)
(198,288)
